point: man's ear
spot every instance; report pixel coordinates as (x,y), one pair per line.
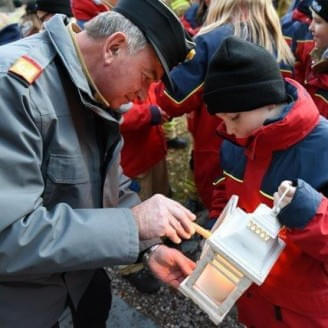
(114,44)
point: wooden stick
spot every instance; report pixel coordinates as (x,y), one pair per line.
(201,231)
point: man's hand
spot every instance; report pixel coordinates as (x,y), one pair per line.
(289,195)
(160,216)
(170,265)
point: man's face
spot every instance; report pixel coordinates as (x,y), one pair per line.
(127,77)
(319,30)
(243,124)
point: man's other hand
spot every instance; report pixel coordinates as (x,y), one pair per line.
(170,265)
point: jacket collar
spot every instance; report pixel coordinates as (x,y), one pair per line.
(58,33)
(298,118)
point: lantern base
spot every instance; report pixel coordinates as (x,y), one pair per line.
(215,312)
(202,302)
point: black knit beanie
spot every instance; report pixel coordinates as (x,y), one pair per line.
(241,77)
(55,6)
(304,7)
(320,7)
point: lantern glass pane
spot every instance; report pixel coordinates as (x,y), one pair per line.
(215,284)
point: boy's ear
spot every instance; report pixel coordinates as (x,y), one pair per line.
(114,44)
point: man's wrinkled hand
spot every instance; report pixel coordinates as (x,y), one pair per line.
(160,216)
(170,265)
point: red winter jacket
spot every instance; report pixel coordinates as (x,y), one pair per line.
(316,83)
(144,139)
(292,147)
(84,10)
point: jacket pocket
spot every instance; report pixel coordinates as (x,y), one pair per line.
(67,180)
(67,170)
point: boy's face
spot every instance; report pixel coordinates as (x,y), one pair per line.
(319,30)
(243,124)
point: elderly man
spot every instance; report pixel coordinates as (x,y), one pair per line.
(66,208)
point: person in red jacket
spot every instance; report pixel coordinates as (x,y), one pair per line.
(274,137)
(144,151)
(316,66)
(84,10)
(295,26)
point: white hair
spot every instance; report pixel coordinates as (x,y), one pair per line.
(109,22)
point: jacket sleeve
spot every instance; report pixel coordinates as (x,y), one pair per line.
(140,116)
(306,219)
(34,239)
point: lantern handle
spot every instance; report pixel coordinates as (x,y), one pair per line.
(276,208)
(201,231)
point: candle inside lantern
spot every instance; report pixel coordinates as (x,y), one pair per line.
(214,284)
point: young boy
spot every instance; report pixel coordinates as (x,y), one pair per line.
(274,138)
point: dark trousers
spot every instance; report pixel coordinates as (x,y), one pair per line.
(93,308)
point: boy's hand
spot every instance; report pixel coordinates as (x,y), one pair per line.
(289,195)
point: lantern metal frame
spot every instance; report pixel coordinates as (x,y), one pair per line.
(243,248)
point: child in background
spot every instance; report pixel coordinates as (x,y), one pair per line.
(295,27)
(316,66)
(84,10)
(274,138)
(144,151)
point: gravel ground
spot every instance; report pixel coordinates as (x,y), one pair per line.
(168,308)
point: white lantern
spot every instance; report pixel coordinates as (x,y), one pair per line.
(242,249)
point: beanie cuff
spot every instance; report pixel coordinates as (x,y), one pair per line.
(243,98)
(320,8)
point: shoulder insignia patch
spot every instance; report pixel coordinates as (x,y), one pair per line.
(26,68)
